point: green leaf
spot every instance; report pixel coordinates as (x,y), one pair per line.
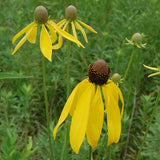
(11,75)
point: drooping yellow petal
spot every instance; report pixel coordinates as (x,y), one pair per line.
(121,98)
(154,74)
(113,89)
(45,43)
(87,26)
(113,123)
(61,23)
(81,88)
(78,26)
(26,29)
(65,110)
(113,116)
(65,34)
(74,30)
(60,40)
(59,44)
(53,33)
(80,119)
(65,26)
(116,92)
(32,36)
(21,42)
(95,121)
(151,68)
(71,103)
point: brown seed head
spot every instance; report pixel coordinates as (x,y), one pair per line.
(41,15)
(137,38)
(71,13)
(99,72)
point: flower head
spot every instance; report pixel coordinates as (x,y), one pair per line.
(72,21)
(154,69)
(46,39)
(116,78)
(85,105)
(136,40)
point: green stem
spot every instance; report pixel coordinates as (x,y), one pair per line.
(68,68)
(149,124)
(65,148)
(110,152)
(46,105)
(128,67)
(90,157)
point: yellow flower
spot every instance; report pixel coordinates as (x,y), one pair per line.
(71,19)
(154,69)
(85,105)
(30,31)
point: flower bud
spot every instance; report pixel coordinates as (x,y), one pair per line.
(116,78)
(99,72)
(71,13)
(137,38)
(41,15)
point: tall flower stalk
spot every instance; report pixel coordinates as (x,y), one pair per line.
(136,41)
(47,109)
(48,36)
(70,24)
(129,64)
(65,148)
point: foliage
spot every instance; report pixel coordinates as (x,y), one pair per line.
(22,111)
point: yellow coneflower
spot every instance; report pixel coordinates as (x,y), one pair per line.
(30,31)
(85,105)
(71,19)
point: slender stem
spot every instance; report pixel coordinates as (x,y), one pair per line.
(110,152)
(90,157)
(149,124)
(68,68)
(128,67)
(65,148)
(46,105)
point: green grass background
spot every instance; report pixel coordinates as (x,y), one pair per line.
(22,110)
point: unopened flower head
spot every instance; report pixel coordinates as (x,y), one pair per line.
(71,21)
(116,78)
(46,38)
(136,40)
(85,105)
(153,69)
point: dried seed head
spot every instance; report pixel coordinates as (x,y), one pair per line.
(116,77)
(41,15)
(99,72)
(71,13)
(137,38)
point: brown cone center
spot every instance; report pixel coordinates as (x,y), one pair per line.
(99,72)
(41,15)
(71,13)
